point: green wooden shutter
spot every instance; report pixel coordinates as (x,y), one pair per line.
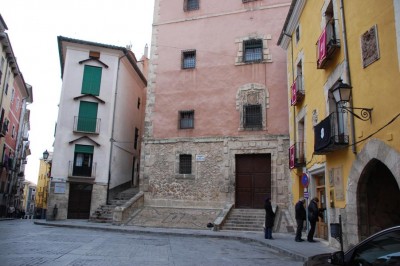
(84,149)
(87,118)
(91,80)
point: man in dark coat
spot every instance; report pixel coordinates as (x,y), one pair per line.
(269,218)
(313,213)
(300,218)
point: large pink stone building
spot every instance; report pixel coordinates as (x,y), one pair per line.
(216,125)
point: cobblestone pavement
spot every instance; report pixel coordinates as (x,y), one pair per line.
(24,243)
(174,217)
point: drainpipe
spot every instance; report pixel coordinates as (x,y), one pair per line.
(347,67)
(112,129)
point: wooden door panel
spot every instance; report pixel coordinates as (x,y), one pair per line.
(253,180)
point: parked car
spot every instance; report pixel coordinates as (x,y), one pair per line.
(382,248)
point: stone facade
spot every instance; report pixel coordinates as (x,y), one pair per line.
(212,183)
(374,149)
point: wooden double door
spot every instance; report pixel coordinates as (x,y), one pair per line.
(80,197)
(253,180)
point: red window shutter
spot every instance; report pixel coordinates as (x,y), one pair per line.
(292,154)
(294,94)
(322,47)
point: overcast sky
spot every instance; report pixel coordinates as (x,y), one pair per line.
(33,27)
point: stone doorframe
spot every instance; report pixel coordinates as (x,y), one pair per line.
(373,149)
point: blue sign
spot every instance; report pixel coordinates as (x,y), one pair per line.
(305,180)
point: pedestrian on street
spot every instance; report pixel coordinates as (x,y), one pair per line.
(300,218)
(269,218)
(313,213)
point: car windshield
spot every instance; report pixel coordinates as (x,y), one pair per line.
(382,250)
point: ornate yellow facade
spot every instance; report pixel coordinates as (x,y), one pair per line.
(349,149)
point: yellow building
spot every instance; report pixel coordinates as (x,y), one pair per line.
(346,147)
(28,199)
(42,187)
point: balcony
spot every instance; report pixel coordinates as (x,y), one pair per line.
(327,44)
(3,129)
(296,155)
(297,91)
(329,134)
(86,125)
(82,171)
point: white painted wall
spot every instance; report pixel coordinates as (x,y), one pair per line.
(130,87)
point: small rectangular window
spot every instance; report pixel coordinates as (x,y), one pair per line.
(253,50)
(297,33)
(252,116)
(186,119)
(185,164)
(189,5)
(188,59)
(136,138)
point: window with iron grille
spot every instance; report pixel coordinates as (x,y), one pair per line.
(252,116)
(188,59)
(186,119)
(189,5)
(253,50)
(185,164)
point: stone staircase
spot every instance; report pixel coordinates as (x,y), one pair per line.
(104,214)
(245,220)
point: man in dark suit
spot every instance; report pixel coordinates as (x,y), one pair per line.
(300,218)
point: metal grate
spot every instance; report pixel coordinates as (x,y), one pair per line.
(186,119)
(252,116)
(191,5)
(253,50)
(185,163)
(189,59)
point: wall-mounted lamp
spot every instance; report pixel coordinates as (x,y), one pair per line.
(342,93)
(45,154)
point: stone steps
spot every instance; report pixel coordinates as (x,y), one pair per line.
(245,220)
(104,214)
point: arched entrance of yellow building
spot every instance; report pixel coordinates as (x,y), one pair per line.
(364,179)
(378,195)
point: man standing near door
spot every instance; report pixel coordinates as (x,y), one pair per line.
(313,213)
(300,218)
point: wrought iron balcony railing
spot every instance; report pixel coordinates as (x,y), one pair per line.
(297,91)
(330,134)
(87,125)
(327,44)
(297,156)
(82,171)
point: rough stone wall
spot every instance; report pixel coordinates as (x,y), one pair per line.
(59,199)
(99,196)
(212,183)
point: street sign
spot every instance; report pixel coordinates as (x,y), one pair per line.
(306,195)
(305,180)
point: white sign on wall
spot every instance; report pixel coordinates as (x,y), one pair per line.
(200,158)
(59,188)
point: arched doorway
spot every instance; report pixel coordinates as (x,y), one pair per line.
(378,195)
